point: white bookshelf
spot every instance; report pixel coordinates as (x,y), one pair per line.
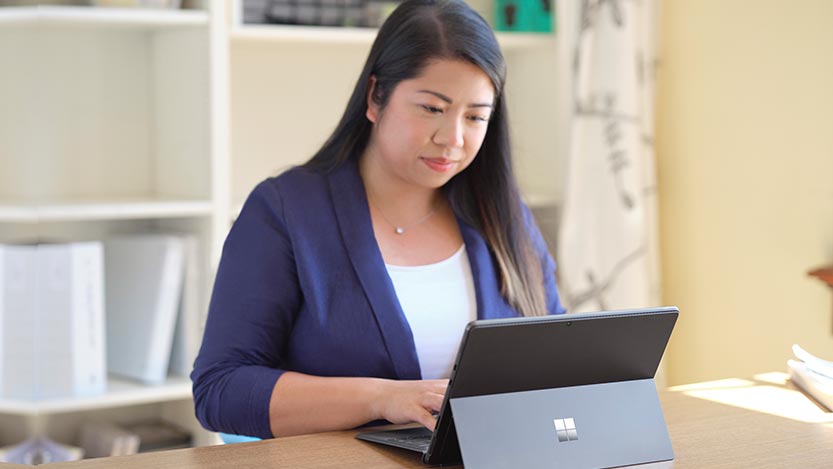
(114,121)
(119,121)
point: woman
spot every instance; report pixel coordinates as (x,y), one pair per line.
(346,283)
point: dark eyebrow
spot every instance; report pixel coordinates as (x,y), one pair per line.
(450,101)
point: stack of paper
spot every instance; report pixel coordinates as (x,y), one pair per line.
(813,375)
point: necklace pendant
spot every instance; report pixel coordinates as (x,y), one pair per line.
(399,230)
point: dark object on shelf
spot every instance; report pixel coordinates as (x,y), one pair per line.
(350,13)
(157,435)
(299,12)
(254,11)
(825,274)
(523,15)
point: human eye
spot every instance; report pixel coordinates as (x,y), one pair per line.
(432,109)
(479,118)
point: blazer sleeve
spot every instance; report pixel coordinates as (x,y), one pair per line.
(255,299)
(554,305)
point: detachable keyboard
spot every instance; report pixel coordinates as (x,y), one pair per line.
(414,439)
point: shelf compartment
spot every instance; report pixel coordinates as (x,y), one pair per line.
(120,392)
(104,17)
(541,200)
(511,42)
(324,35)
(89,210)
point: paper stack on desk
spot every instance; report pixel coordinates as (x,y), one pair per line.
(812,375)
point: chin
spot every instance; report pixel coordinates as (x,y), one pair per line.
(438,182)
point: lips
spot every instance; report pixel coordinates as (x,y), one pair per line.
(440,165)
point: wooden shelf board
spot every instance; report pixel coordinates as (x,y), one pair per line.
(109,17)
(253,34)
(541,200)
(324,35)
(120,392)
(522,41)
(104,209)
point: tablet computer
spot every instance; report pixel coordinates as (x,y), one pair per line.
(521,384)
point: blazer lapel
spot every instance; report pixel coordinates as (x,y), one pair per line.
(490,303)
(353,216)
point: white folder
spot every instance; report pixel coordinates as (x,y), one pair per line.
(190,318)
(70,320)
(144,282)
(17,315)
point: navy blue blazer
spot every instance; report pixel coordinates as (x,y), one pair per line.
(302,286)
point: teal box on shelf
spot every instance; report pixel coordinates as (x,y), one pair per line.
(524,15)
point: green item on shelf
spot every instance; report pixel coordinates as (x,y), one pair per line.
(524,15)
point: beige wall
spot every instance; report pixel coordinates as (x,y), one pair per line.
(745,161)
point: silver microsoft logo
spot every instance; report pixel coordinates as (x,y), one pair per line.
(565,429)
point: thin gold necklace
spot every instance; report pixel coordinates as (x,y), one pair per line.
(400,230)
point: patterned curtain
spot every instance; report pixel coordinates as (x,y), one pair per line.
(608,247)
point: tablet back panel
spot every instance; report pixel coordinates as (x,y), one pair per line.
(525,354)
(559,351)
(597,425)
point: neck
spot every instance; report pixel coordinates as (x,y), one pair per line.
(396,197)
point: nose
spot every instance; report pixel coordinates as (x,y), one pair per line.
(450,132)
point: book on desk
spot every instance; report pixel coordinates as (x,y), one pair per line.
(812,375)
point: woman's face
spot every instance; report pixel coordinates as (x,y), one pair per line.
(433,125)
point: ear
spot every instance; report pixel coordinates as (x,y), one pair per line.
(372,107)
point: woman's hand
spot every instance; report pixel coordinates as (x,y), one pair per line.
(302,404)
(410,401)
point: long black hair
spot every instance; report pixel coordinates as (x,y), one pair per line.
(485,194)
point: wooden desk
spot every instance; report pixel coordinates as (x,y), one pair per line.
(787,431)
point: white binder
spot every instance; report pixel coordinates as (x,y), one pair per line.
(70,320)
(17,315)
(144,283)
(189,323)
(2,308)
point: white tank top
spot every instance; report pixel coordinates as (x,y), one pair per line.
(438,300)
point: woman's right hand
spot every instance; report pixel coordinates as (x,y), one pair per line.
(410,401)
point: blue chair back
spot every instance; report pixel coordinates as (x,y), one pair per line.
(229,438)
